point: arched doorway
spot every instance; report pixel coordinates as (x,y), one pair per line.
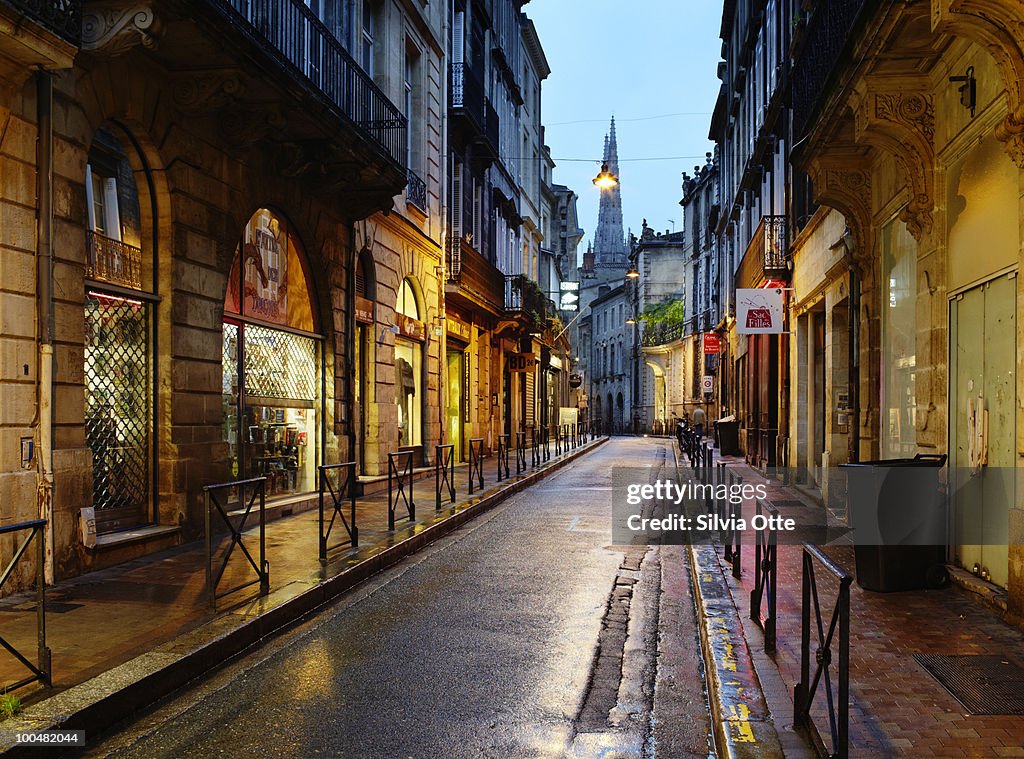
(272,360)
(119,313)
(409,365)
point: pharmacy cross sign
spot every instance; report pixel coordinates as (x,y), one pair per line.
(759,311)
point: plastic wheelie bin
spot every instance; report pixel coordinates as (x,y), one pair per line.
(899,521)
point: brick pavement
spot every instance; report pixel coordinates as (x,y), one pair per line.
(100,620)
(897,708)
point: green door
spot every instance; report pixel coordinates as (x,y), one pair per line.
(983,339)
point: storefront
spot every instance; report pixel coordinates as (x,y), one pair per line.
(409,340)
(456,415)
(272,361)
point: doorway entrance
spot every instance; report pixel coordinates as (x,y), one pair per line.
(982,426)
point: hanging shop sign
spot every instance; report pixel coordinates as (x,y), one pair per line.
(409,327)
(759,311)
(521,362)
(569,296)
(457,327)
(575,381)
(712,343)
(364,310)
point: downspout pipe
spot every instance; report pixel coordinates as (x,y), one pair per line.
(350,350)
(45,324)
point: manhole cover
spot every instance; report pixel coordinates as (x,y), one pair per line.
(982,684)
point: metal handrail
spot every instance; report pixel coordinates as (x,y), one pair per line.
(258,488)
(113,261)
(41,672)
(345,491)
(416,190)
(400,478)
(807,688)
(766,567)
(444,462)
(476,463)
(503,442)
(520,452)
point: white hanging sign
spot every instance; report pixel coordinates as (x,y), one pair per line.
(759,311)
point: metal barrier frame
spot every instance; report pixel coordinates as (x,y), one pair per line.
(558,440)
(43,672)
(534,449)
(262,569)
(346,491)
(503,442)
(520,452)
(806,689)
(545,435)
(476,463)
(733,551)
(766,575)
(444,461)
(397,481)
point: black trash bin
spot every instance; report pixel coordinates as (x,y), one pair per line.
(911,525)
(728,437)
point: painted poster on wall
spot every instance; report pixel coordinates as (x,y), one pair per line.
(759,311)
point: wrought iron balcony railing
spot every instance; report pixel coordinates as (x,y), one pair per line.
(113,261)
(829,33)
(663,334)
(467,93)
(492,129)
(523,295)
(62,17)
(767,254)
(416,191)
(454,257)
(301,42)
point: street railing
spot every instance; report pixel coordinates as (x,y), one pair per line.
(476,463)
(520,452)
(40,671)
(534,448)
(400,486)
(216,497)
(338,486)
(502,458)
(444,482)
(838,633)
(733,551)
(766,569)
(558,440)
(545,441)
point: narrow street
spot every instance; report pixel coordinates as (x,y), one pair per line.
(525,634)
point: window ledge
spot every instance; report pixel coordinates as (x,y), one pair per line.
(127,537)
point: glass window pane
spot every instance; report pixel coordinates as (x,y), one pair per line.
(408,391)
(899,340)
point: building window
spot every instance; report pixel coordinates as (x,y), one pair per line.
(369,35)
(118,374)
(270,349)
(409,366)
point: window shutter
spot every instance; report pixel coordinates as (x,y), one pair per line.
(459,37)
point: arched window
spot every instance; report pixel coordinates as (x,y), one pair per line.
(270,348)
(409,365)
(119,308)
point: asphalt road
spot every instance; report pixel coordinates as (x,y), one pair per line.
(484,645)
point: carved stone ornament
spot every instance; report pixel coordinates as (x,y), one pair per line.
(112,29)
(206,92)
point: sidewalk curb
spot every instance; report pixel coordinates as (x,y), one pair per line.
(742,724)
(108,698)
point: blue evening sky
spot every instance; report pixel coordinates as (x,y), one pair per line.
(636,60)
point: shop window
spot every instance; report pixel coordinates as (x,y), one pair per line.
(272,361)
(899,340)
(408,367)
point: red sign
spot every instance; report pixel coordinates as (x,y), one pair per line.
(411,328)
(712,343)
(364,310)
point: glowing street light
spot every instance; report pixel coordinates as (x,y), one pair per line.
(605,180)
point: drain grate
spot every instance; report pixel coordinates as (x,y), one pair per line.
(982,684)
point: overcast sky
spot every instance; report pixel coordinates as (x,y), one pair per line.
(637,60)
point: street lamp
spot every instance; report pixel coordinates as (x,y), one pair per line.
(605,180)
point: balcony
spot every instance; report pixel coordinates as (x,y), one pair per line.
(416,191)
(767,254)
(662,334)
(60,17)
(468,99)
(291,33)
(112,261)
(524,296)
(492,131)
(473,281)
(830,32)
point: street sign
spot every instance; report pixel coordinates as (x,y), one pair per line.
(712,343)
(569,299)
(707,384)
(759,311)
(521,362)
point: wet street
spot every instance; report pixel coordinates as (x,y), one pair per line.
(524,634)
